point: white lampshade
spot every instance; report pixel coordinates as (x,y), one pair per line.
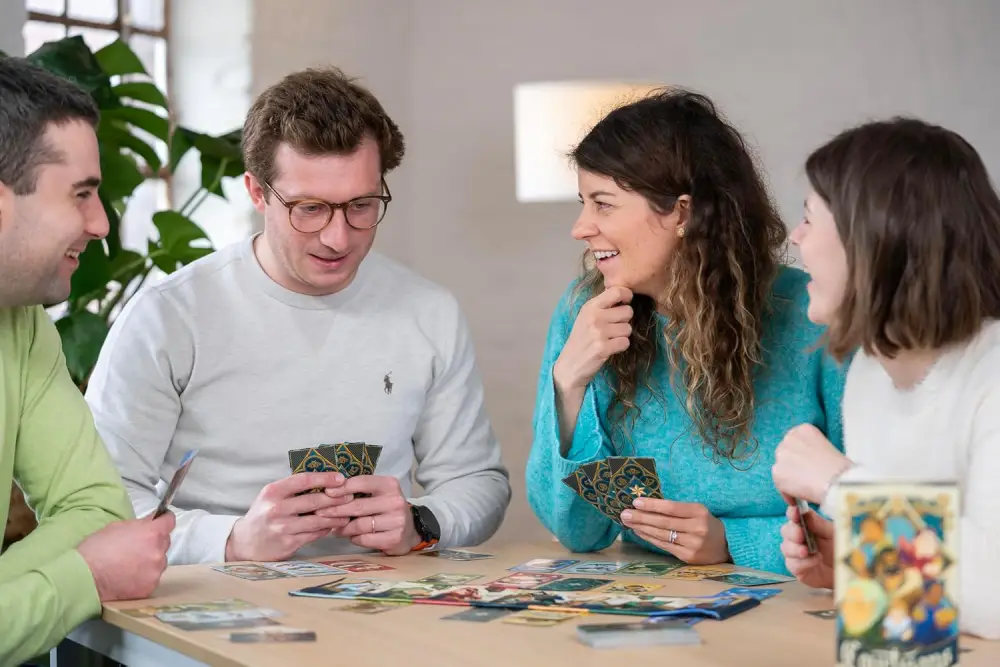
(550,118)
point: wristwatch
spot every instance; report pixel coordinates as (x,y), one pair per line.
(427,527)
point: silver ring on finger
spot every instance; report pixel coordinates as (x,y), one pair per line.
(672,538)
(373,524)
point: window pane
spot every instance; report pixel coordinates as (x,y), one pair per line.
(95,39)
(105,11)
(152,51)
(147,14)
(37,33)
(47,6)
(137,223)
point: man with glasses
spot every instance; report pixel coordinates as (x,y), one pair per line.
(298,337)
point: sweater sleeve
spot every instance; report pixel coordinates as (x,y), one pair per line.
(134,393)
(458,457)
(46,588)
(755,542)
(578,526)
(979,529)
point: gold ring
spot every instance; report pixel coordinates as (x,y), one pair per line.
(373,524)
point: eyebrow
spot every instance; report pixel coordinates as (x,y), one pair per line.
(598,193)
(92,182)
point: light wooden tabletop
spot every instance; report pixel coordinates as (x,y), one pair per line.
(776,633)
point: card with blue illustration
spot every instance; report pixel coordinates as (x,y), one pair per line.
(611,485)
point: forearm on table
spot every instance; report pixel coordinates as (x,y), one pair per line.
(469,509)
(40,607)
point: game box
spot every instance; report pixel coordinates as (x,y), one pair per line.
(896,574)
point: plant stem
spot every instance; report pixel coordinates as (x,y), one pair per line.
(190,200)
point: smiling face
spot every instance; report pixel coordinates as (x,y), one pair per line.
(824,258)
(631,243)
(43,233)
(326,261)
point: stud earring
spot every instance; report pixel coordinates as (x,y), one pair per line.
(680,232)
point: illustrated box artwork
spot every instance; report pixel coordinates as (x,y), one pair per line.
(896,574)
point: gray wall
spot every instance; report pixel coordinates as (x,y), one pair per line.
(789,72)
(12,16)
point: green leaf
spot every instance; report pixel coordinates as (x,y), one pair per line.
(144,119)
(119,175)
(117,136)
(141,91)
(180,143)
(127,266)
(92,274)
(72,59)
(82,334)
(176,234)
(176,230)
(217,147)
(118,58)
(212,172)
(113,240)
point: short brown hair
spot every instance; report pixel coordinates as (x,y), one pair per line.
(920,223)
(318,111)
(32,99)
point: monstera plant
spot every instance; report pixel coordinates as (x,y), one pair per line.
(135,119)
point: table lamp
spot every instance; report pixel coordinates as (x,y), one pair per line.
(549,119)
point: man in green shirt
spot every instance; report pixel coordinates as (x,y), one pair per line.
(88,548)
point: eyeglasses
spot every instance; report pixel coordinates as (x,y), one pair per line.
(311,215)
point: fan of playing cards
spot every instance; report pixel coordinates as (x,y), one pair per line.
(348,458)
(610,485)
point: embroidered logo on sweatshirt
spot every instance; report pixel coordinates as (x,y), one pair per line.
(387,381)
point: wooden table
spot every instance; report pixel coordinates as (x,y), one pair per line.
(775,634)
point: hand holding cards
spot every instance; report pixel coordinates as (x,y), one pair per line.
(282,518)
(175,482)
(611,485)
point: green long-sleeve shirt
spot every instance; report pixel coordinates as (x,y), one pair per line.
(48,443)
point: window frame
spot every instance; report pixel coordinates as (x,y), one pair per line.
(125,30)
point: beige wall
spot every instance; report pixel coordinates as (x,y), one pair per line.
(790,72)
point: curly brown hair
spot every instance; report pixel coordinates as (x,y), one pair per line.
(671,143)
(317,111)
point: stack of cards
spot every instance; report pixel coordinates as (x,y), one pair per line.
(610,485)
(622,635)
(351,459)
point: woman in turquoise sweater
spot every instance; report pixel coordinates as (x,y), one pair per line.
(686,340)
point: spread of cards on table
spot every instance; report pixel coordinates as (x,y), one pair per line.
(612,484)
(633,597)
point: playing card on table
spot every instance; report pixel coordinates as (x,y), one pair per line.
(303,568)
(175,482)
(250,571)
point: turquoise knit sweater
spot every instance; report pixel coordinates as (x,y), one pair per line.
(799,384)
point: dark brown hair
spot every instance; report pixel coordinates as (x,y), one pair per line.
(920,223)
(670,143)
(317,112)
(32,99)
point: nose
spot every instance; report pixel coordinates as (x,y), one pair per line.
(796,236)
(584,227)
(337,232)
(96,224)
